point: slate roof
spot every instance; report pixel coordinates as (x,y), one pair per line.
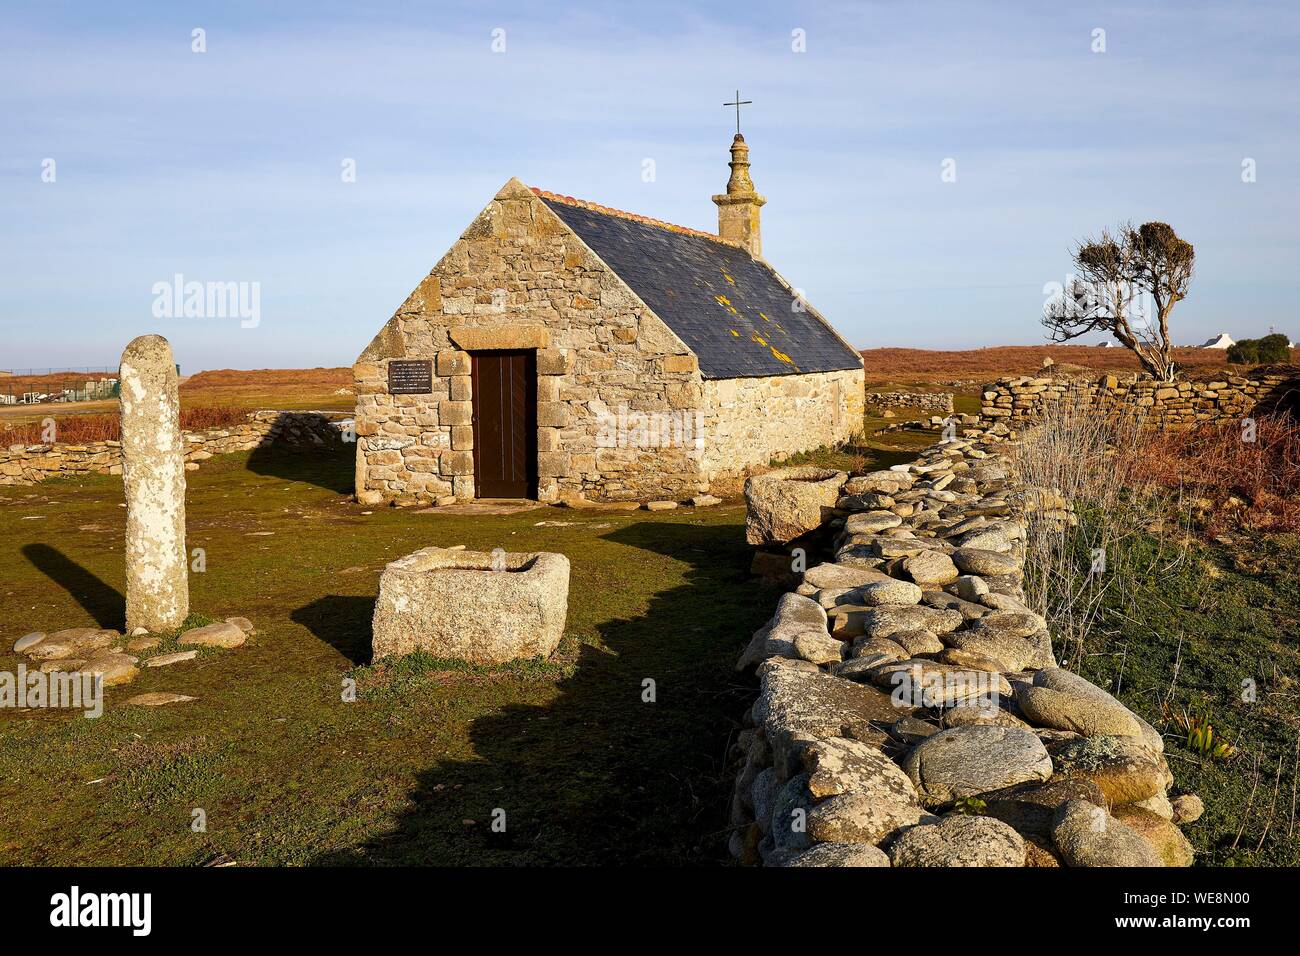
(730,309)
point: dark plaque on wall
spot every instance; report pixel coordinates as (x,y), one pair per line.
(410,377)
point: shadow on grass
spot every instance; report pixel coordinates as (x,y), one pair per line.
(332,466)
(341,621)
(598,775)
(105,603)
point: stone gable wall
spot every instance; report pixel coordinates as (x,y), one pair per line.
(518,278)
(31,464)
(623,413)
(1179,404)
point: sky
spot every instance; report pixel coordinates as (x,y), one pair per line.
(128,157)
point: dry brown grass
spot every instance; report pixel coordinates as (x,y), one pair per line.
(80,429)
(288,389)
(52,382)
(1092,464)
(228,378)
(216,380)
(1217,463)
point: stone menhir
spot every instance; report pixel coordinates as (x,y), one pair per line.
(153,474)
(484,608)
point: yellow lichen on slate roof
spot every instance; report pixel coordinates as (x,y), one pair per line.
(676,273)
(776,353)
(781,356)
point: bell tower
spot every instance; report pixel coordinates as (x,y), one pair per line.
(738,218)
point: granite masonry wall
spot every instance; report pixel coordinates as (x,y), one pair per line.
(1179,404)
(30,464)
(518,279)
(751,421)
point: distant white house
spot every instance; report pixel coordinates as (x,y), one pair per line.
(1221,341)
(1108,344)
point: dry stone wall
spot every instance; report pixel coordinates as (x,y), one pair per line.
(935,402)
(31,464)
(910,711)
(934,422)
(1179,404)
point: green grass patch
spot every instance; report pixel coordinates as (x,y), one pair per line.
(287,772)
(1216,635)
(870,450)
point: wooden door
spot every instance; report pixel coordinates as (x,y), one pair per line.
(505,424)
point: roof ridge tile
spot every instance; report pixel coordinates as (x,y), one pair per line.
(634,217)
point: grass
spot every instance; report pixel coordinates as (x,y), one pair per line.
(412,772)
(586,773)
(868,450)
(1186,624)
(1185,641)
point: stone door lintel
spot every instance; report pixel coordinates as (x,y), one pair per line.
(489,337)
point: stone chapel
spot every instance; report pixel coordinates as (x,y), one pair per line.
(565,351)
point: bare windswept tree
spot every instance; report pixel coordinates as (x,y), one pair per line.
(1127,282)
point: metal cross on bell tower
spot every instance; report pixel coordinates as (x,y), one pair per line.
(738,103)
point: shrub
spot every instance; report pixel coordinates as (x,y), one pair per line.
(1271,348)
(970,806)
